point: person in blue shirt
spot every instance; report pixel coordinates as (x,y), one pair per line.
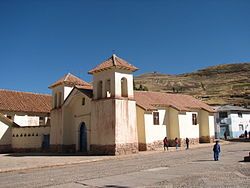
(216,150)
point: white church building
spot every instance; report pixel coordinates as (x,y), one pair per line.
(109,117)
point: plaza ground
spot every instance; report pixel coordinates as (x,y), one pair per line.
(182,168)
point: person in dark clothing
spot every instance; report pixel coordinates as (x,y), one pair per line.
(245,134)
(216,150)
(176,143)
(225,135)
(187,143)
(165,143)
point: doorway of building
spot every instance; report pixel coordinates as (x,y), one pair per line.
(83,138)
(45,142)
(223,129)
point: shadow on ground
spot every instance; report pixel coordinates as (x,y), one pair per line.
(49,154)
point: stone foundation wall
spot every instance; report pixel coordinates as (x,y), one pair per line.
(116,149)
(192,141)
(102,149)
(150,146)
(171,142)
(63,148)
(123,149)
(5,148)
(27,150)
(206,139)
(142,147)
(154,145)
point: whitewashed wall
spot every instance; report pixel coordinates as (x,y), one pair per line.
(211,125)
(5,134)
(28,137)
(155,132)
(26,120)
(187,129)
(236,121)
(115,82)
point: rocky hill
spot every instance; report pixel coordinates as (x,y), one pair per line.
(216,85)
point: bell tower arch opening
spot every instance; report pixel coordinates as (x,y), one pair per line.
(124,87)
(99,89)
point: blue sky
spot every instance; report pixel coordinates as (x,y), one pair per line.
(42,40)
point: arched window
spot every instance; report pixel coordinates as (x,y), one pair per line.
(124,87)
(99,90)
(107,88)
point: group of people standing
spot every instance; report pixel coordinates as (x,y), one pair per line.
(176,141)
(216,147)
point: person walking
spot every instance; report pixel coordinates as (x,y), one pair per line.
(216,150)
(176,143)
(225,135)
(245,134)
(187,143)
(165,143)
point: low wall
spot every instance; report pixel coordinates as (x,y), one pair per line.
(28,138)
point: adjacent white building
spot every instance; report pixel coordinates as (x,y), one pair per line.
(233,120)
(24,121)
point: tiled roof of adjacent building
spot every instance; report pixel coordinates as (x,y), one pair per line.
(16,101)
(113,62)
(150,100)
(71,80)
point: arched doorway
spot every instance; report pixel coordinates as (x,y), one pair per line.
(83,138)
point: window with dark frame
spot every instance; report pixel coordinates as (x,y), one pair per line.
(156,118)
(83,101)
(194,119)
(41,120)
(222,114)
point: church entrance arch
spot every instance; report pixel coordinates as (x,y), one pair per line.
(83,138)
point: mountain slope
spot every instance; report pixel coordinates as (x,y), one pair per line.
(216,85)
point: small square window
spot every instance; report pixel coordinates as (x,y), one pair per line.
(156,118)
(194,119)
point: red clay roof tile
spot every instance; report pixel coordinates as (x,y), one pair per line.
(149,100)
(17,101)
(71,80)
(113,62)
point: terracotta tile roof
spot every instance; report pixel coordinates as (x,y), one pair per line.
(113,62)
(16,101)
(150,100)
(71,80)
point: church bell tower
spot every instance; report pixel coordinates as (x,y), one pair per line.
(113,111)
